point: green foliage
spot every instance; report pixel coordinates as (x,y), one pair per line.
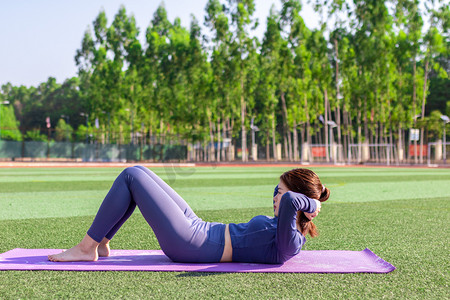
(81,134)
(8,124)
(35,135)
(438,96)
(63,131)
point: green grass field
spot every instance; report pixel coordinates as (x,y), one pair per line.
(401,214)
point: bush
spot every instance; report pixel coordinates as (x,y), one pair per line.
(63,131)
(9,124)
(35,135)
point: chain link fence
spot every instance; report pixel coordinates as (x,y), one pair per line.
(33,150)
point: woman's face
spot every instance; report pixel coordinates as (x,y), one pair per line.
(276,202)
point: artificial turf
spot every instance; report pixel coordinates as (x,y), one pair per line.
(402,214)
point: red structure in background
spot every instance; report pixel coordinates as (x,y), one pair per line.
(415,150)
(318,152)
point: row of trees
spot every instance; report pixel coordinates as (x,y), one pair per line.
(365,72)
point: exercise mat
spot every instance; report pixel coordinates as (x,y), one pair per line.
(307,261)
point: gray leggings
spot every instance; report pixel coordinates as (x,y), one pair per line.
(182,235)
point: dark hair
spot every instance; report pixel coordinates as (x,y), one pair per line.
(308,183)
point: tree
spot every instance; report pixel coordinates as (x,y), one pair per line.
(339,45)
(269,62)
(103,62)
(408,14)
(157,61)
(243,49)
(289,22)
(304,108)
(224,74)
(63,131)
(9,126)
(434,46)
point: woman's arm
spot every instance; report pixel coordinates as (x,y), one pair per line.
(289,242)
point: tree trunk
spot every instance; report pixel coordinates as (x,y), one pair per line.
(223,135)
(294,132)
(325,126)
(274,145)
(367,130)
(400,146)
(286,151)
(231,123)
(423,109)
(243,129)
(211,154)
(359,132)
(289,138)
(349,134)
(391,144)
(229,135)
(308,134)
(318,135)
(338,97)
(414,105)
(219,140)
(302,142)
(161,128)
(287,135)
(206,156)
(344,134)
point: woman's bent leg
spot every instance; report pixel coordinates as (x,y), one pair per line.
(180,237)
(115,209)
(188,212)
(173,229)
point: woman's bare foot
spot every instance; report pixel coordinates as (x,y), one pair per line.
(86,250)
(103,249)
(74,254)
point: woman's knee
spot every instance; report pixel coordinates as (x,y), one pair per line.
(134,169)
(145,169)
(131,172)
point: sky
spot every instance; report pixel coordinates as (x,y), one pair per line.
(39,39)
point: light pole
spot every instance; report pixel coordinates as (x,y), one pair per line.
(446,120)
(3,102)
(331,125)
(254,128)
(416,138)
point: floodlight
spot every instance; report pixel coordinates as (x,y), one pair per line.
(445,118)
(332,124)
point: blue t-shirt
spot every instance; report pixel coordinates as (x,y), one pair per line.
(271,240)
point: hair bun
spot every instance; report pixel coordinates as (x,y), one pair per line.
(325,194)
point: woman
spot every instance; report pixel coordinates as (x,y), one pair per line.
(184,237)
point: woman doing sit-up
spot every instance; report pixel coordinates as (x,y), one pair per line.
(184,237)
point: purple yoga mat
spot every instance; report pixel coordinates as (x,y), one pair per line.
(307,261)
